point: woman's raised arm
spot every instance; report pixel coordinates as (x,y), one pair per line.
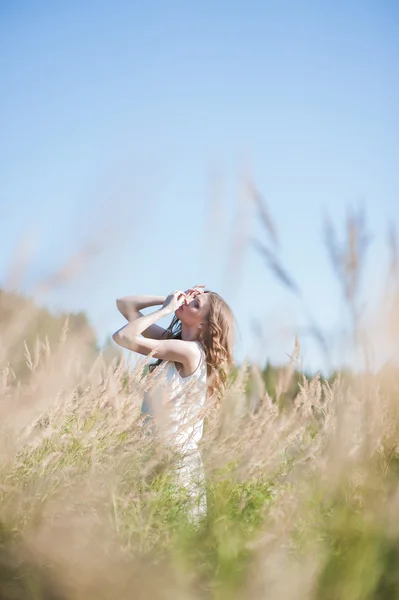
(130,306)
(185,352)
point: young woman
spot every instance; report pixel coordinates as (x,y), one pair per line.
(194,354)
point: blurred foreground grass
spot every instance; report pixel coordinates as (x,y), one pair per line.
(302,499)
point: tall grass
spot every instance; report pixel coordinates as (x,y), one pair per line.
(302,497)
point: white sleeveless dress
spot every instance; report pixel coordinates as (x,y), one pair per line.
(176,404)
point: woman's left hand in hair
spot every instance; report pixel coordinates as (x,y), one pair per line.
(191,293)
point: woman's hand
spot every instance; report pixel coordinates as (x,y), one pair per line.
(174,301)
(191,293)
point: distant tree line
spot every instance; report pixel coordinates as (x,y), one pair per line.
(24,324)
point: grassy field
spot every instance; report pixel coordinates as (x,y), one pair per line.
(302,499)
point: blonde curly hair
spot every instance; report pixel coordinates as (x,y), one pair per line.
(217,339)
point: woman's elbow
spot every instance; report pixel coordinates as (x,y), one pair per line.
(117,337)
(128,342)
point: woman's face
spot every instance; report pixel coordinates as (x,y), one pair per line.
(195,311)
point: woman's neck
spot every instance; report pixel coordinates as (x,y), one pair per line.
(189,334)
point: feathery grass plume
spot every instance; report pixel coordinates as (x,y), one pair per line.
(64,331)
(286,374)
(272,257)
(28,358)
(348,258)
(263,212)
(257,390)
(276,267)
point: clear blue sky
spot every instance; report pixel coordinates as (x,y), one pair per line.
(133,122)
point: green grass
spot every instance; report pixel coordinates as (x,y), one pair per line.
(302,499)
